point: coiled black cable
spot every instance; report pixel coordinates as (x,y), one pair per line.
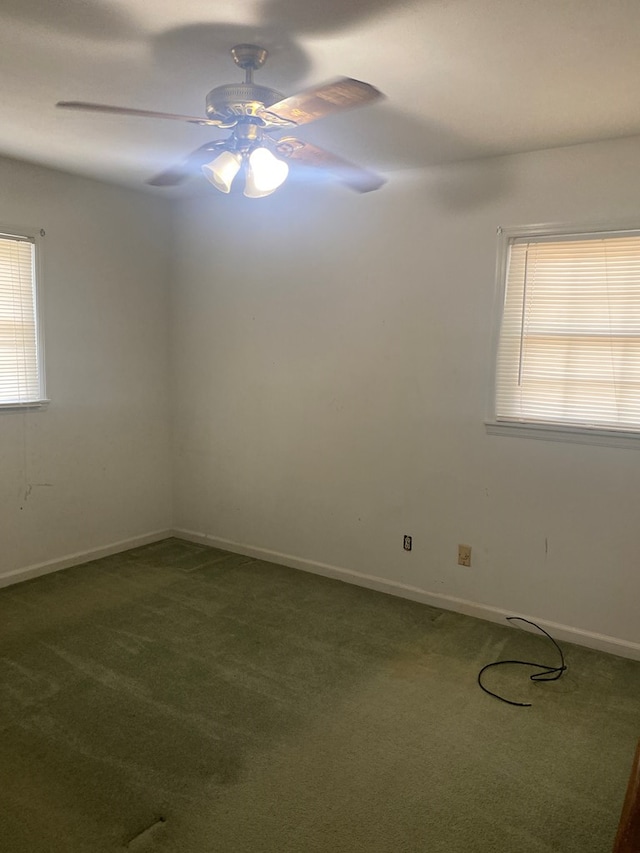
(549,673)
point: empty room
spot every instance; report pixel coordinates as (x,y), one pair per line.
(319,426)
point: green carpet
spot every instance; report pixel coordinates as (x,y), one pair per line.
(253,707)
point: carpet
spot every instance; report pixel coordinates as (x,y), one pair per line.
(182,699)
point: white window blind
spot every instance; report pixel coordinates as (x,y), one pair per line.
(569,346)
(20,375)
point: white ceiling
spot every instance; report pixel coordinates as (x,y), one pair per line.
(463,78)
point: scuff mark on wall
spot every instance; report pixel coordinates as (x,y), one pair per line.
(30,488)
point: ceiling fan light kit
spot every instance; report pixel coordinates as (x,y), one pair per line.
(222,170)
(253,113)
(247,149)
(265,173)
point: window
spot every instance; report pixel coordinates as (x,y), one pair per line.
(21,358)
(568,349)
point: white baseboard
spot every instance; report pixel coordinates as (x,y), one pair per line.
(589,639)
(28,572)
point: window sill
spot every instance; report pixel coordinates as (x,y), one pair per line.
(572,434)
(21,407)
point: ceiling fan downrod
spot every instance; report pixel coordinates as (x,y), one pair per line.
(249,57)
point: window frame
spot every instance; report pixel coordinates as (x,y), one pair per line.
(548,431)
(34,236)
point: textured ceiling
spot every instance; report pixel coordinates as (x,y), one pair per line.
(463,78)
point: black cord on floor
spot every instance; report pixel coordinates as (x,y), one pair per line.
(549,673)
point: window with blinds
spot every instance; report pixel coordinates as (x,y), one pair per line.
(21,380)
(569,343)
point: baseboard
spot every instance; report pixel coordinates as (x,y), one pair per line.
(565,633)
(76,559)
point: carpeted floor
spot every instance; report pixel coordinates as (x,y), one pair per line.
(179,699)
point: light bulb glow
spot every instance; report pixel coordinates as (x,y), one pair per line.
(265,173)
(222,170)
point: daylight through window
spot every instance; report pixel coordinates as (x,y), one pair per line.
(21,381)
(569,343)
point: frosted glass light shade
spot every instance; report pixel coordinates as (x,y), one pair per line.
(222,170)
(265,173)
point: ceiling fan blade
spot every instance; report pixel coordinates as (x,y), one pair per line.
(180,172)
(356,177)
(106,108)
(323,100)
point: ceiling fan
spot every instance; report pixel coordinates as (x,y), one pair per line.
(253,113)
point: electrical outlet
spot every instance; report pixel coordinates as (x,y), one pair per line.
(464,555)
(407,543)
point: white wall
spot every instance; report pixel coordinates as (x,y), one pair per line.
(91,470)
(331,360)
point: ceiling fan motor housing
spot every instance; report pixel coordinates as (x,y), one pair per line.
(240,99)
